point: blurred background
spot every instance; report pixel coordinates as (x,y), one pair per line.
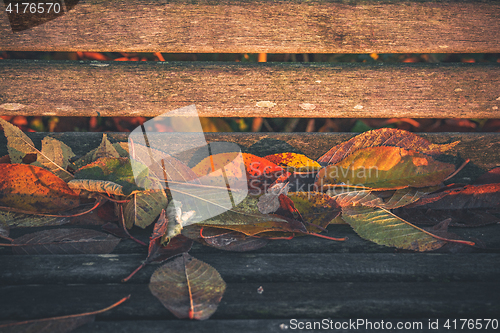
(127,124)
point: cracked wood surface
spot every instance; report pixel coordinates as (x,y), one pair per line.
(245,26)
(84,88)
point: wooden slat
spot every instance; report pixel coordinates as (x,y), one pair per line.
(259,267)
(235,90)
(320,26)
(279,300)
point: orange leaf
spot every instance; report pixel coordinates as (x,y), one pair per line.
(35,189)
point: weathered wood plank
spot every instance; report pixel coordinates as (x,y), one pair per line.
(259,267)
(235,90)
(483,149)
(239,26)
(262,325)
(278,301)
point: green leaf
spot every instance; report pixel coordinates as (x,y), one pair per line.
(114,170)
(384,228)
(385,168)
(144,208)
(187,287)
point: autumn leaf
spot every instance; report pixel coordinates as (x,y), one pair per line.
(106,149)
(269,202)
(384,137)
(34,189)
(144,207)
(492,176)
(106,175)
(294,162)
(65,241)
(19,145)
(316,208)
(467,206)
(384,228)
(156,251)
(187,287)
(63,324)
(247,219)
(99,186)
(227,240)
(19,220)
(260,173)
(385,168)
(387,199)
(55,157)
(470,196)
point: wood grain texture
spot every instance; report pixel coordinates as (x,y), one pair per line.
(259,267)
(278,301)
(240,26)
(237,90)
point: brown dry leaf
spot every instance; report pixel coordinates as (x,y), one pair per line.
(63,324)
(246,218)
(19,220)
(55,156)
(384,137)
(144,207)
(269,202)
(34,189)
(187,287)
(492,176)
(65,241)
(388,199)
(222,239)
(385,168)
(19,145)
(106,149)
(470,196)
(316,208)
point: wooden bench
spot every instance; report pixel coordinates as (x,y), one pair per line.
(305,278)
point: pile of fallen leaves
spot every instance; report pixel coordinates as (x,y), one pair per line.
(382,183)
